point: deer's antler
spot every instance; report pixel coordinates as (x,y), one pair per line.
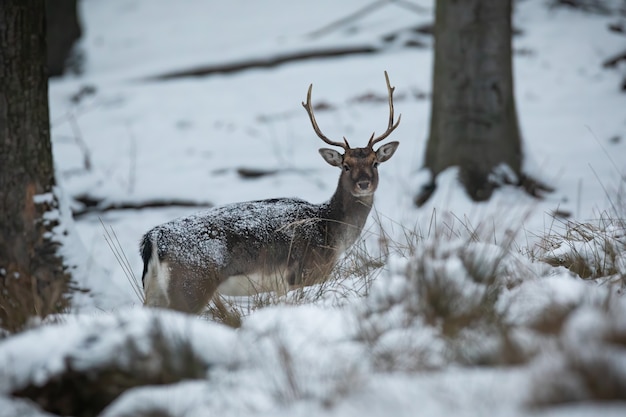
(309,110)
(391,127)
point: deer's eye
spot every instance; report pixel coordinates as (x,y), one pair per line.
(346,167)
(375,165)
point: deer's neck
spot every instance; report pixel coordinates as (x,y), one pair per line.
(346,215)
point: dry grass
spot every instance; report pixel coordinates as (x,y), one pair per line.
(595,248)
(120,256)
(225,311)
(590,250)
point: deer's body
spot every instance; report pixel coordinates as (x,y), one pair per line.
(268,244)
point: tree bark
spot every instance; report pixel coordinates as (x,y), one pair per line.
(33,281)
(63,30)
(473,121)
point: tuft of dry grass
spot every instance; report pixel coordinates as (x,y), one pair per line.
(120,256)
(590,250)
(594,249)
(224,310)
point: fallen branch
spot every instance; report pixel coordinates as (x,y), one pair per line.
(363,12)
(93,205)
(265,62)
(612,62)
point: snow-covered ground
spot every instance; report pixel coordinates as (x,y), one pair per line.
(121,137)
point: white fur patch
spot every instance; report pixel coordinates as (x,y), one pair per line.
(247,285)
(157,281)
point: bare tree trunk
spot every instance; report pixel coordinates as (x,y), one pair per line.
(473,121)
(63,30)
(33,281)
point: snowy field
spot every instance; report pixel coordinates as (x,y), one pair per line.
(123,137)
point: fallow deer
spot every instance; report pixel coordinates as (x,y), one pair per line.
(273,244)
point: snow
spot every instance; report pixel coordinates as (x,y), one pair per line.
(131,139)
(92,341)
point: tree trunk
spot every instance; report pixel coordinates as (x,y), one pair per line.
(63,30)
(33,281)
(473,121)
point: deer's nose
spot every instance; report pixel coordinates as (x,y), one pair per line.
(364,185)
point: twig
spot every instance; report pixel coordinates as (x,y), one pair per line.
(354,16)
(363,12)
(78,137)
(132,168)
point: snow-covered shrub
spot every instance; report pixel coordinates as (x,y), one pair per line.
(303,353)
(300,357)
(183,399)
(589,363)
(543,305)
(89,361)
(589,250)
(442,305)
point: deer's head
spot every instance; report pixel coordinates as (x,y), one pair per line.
(359,166)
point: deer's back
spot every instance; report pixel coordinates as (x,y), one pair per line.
(232,238)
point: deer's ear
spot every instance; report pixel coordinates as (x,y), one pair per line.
(331,156)
(386,151)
